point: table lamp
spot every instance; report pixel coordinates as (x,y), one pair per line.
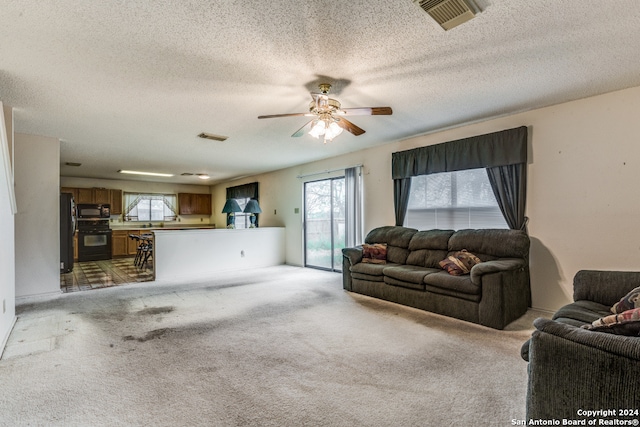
(230,208)
(253,208)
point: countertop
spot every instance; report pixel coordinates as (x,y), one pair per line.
(137,227)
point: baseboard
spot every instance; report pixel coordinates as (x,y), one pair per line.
(6,337)
(35,297)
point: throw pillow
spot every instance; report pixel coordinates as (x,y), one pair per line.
(625,323)
(375,253)
(459,263)
(629,301)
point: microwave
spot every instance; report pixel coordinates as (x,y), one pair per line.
(93,211)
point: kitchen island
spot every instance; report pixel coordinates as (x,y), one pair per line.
(200,253)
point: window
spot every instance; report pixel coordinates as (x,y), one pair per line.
(150,207)
(242,219)
(453,200)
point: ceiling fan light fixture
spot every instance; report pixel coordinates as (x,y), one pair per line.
(318,128)
(332,131)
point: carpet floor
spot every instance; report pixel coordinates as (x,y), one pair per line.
(279,346)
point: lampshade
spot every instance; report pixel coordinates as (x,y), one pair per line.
(326,126)
(231,206)
(252,207)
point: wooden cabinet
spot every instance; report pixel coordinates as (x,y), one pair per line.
(132,244)
(119,243)
(85,195)
(194,204)
(75,246)
(115,199)
(112,197)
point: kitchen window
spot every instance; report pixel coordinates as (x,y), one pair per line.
(150,207)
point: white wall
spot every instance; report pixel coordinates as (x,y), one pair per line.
(144,187)
(37,223)
(193,254)
(7,239)
(584,162)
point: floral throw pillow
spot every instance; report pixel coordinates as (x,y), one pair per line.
(459,263)
(629,301)
(375,253)
(625,323)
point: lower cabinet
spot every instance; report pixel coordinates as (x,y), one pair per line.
(119,243)
(123,245)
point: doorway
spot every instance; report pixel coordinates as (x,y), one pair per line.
(324,223)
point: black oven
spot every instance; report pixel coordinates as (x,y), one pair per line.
(93,211)
(94,239)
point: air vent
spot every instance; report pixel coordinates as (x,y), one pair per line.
(212,136)
(74,164)
(448,13)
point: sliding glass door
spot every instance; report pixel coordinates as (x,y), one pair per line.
(324,223)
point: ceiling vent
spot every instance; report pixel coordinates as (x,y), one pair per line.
(448,13)
(213,137)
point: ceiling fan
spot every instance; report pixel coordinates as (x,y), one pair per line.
(329,118)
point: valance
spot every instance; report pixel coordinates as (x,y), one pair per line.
(243,191)
(502,148)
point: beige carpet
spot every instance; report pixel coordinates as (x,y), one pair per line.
(280,346)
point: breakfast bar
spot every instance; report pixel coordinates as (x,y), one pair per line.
(199,253)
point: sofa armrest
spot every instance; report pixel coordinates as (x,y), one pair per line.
(604,287)
(353,254)
(571,368)
(619,345)
(496,266)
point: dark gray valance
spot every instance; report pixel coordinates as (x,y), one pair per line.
(241,191)
(502,148)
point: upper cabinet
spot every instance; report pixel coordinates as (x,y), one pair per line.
(97,195)
(194,204)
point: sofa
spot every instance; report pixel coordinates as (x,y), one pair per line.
(576,366)
(494,293)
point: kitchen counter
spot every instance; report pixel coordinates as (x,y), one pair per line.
(126,227)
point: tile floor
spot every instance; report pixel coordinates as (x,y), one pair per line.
(103,274)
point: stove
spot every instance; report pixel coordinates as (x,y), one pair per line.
(94,239)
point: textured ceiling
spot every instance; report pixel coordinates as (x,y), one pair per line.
(130,84)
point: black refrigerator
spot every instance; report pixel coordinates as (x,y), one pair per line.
(67,230)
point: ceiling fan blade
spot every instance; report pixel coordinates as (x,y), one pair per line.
(365,111)
(271,116)
(300,131)
(348,126)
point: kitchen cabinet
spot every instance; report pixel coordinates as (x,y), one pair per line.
(93,195)
(112,197)
(120,243)
(115,199)
(194,204)
(75,246)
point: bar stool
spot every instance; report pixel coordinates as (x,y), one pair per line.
(147,249)
(138,257)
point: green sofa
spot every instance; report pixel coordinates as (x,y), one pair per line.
(496,292)
(572,369)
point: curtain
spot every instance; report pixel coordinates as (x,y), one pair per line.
(509,184)
(132,206)
(401,190)
(245,191)
(506,147)
(503,154)
(353,211)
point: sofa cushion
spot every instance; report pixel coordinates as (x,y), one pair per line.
(490,244)
(409,273)
(374,253)
(625,323)
(628,302)
(366,271)
(444,280)
(429,247)
(580,312)
(459,263)
(397,240)
(395,282)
